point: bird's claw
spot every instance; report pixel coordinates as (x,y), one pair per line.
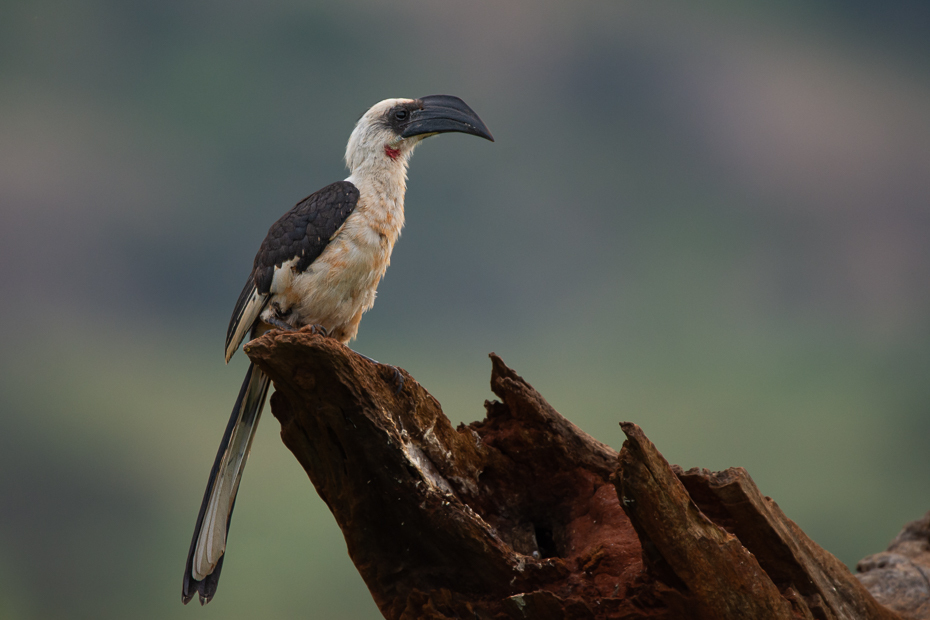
(398,380)
(316,329)
(279,324)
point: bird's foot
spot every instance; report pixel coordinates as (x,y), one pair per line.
(317,329)
(279,324)
(398,378)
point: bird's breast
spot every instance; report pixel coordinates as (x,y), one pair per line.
(340,285)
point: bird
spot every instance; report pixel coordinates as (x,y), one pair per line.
(319,266)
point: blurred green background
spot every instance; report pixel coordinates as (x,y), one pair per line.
(712,219)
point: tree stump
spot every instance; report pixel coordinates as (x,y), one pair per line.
(900,577)
(523,515)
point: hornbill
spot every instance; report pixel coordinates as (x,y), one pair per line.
(319,265)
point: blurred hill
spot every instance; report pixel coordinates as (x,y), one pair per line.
(711,220)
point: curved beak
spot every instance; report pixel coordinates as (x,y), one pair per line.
(443,114)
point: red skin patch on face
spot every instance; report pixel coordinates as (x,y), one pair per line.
(392,153)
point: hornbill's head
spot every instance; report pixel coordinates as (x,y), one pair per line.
(391,128)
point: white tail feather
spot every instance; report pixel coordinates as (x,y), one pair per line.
(211,544)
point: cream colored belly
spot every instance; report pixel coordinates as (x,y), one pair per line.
(337,288)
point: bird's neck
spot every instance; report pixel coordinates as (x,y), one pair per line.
(381,185)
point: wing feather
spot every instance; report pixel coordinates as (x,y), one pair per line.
(248,308)
(302,233)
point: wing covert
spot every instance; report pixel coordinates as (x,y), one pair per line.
(302,233)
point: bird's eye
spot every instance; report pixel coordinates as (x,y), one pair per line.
(401,115)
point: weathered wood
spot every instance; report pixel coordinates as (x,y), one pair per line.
(519,516)
(900,577)
(722,578)
(499,519)
(788,556)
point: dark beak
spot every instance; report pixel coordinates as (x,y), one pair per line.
(442,114)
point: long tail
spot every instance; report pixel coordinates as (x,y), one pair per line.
(205,559)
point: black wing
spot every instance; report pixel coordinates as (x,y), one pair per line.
(303,232)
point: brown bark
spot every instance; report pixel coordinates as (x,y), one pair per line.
(518,516)
(900,577)
(735,550)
